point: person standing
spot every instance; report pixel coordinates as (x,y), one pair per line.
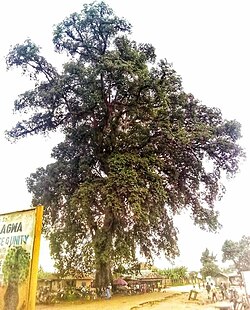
(222,290)
(208,288)
(108,291)
(214,293)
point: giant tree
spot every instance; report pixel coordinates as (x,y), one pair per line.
(136,146)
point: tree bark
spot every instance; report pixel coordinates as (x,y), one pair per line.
(103,276)
(11,296)
(103,257)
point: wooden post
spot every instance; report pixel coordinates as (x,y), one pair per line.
(35,258)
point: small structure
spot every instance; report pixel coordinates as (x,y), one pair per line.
(192,294)
(55,283)
(221,278)
(145,283)
(235,279)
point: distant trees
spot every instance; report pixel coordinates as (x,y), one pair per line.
(43,274)
(194,276)
(177,275)
(209,266)
(238,253)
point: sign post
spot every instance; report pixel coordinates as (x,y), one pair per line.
(20,234)
(246,280)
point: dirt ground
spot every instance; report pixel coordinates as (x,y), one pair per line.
(174,298)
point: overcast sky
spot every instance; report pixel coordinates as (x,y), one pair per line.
(208,43)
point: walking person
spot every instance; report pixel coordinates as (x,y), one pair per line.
(214,293)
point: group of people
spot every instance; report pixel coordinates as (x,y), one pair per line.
(213,291)
(223,293)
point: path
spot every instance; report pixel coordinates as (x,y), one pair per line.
(175,298)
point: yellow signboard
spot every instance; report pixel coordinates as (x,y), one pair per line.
(20,234)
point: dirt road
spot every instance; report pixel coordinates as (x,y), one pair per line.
(174,298)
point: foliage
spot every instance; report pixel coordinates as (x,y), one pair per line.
(207,257)
(193,276)
(16,265)
(177,275)
(44,274)
(238,253)
(15,271)
(209,266)
(135,151)
(210,269)
(229,269)
(128,269)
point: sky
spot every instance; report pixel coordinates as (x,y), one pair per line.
(207,41)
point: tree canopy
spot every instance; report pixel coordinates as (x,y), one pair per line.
(209,266)
(238,252)
(136,147)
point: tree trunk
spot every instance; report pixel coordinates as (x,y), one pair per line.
(103,276)
(103,252)
(11,297)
